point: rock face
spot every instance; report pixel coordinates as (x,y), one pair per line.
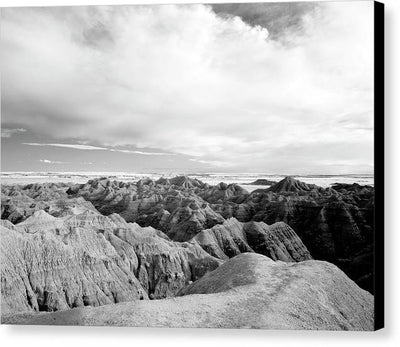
(184,182)
(79,257)
(163,267)
(289,184)
(223,192)
(20,202)
(220,248)
(171,206)
(277,241)
(46,273)
(248,291)
(51,263)
(335,224)
(56,263)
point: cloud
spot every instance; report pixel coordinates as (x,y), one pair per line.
(72,146)
(189,81)
(213,163)
(282,20)
(138,152)
(46,161)
(92,148)
(6,133)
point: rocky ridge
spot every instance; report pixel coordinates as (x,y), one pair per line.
(51,263)
(88,259)
(277,241)
(335,224)
(307,295)
(262,182)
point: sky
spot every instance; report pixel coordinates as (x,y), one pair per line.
(279,88)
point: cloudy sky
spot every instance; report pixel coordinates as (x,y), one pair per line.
(275,88)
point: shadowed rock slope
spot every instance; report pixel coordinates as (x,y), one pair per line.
(248,291)
(277,241)
(335,224)
(262,182)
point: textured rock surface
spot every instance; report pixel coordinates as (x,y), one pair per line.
(51,263)
(20,202)
(248,291)
(170,205)
(277,241)
(58,252)
(223,192)
(43,272)
(335,224)
(289,184)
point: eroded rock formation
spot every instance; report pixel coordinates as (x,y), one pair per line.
(262,182)
(51,263)
(248,291)
(335,224)
(171,206)
(277,241)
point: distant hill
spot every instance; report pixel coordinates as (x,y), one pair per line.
(262,182)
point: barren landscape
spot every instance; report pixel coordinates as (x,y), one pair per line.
(221,255)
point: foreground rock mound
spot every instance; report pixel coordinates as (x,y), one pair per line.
(248,291)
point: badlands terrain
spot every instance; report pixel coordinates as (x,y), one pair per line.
(179,252)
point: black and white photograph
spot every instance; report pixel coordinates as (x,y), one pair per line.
(192,165)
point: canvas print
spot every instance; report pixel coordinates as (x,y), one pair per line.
(191,165)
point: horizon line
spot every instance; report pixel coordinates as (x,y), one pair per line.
(183,173)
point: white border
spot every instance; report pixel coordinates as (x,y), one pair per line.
(30,336)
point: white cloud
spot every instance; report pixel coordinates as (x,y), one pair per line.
(6,133)
(139,152)
(92,148)
(46,161)
(185,80)
(213,163)
(73,146)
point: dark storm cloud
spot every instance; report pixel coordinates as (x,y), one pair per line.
(98,36)
(278,18)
